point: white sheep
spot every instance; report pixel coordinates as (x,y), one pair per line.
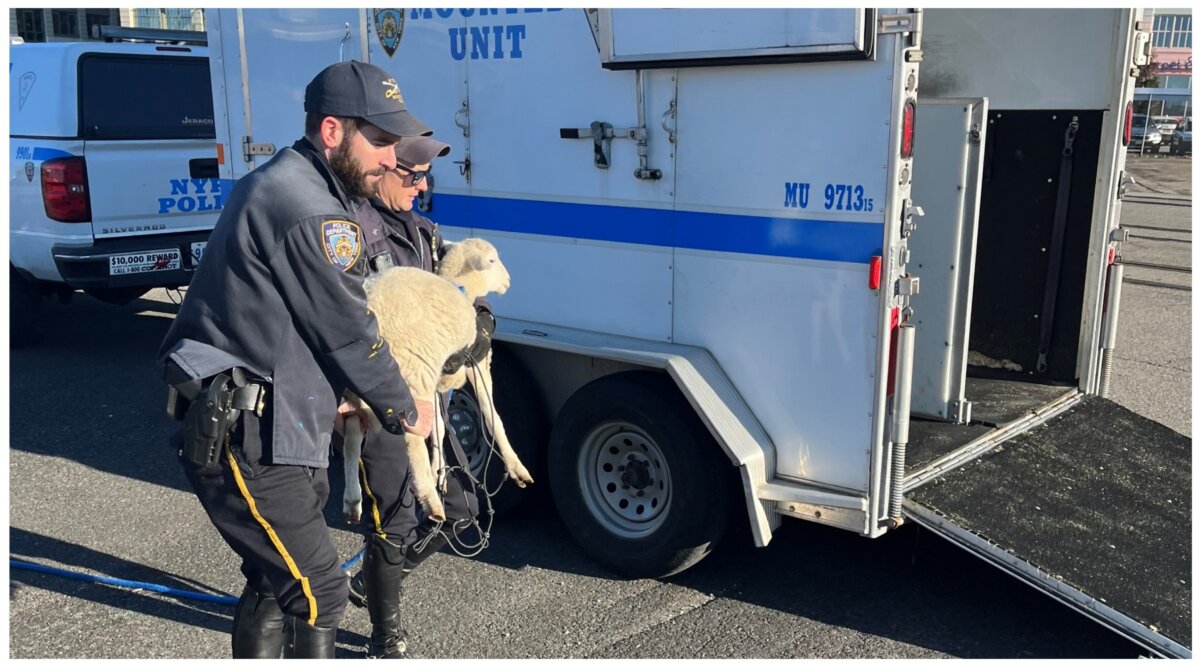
(426,318)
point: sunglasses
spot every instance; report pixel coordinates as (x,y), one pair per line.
(412,178)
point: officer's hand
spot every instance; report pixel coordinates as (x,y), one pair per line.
(347,411)
(424,425)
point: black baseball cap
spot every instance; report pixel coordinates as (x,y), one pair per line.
(362,90)
(420,150)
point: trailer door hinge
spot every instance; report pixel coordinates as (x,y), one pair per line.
(250,149)
(897,23)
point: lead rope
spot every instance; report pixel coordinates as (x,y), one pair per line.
(457,545)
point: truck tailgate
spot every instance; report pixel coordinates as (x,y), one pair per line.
(1041,506)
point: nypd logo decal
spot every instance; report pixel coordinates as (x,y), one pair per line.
(341,241)
(389,26)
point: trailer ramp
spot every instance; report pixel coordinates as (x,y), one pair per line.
(1092,508)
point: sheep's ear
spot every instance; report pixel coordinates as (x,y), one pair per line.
(477,262)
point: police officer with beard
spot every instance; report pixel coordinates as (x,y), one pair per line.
(399,535)
(274,328)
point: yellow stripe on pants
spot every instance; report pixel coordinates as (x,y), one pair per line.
(374,501)
(287,558)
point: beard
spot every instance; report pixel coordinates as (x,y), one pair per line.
(350,173)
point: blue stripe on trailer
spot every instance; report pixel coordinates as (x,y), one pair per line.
(757,235)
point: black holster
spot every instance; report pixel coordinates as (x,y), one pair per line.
(213,412)
(207,422)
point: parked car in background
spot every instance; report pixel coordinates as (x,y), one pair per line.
(1181,140)
(1166,126)
(1145,134)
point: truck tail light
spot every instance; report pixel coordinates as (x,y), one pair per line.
(908,129)
(1127,135)
(64,190)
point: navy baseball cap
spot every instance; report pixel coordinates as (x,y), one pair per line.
(362,90)
(420,150)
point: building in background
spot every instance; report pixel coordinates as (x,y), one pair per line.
(73,25)
(60,25)
(163,19)
(1166,90)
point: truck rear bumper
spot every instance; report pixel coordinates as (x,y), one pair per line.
(92,267)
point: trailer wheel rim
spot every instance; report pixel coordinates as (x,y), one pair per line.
(625,480)
(463,418)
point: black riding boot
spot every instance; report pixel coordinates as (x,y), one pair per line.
(384,568)
(307,641)
(358,585)
(257,626)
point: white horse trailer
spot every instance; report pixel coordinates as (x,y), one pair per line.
(844,265)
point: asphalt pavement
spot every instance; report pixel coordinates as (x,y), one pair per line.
(94,488)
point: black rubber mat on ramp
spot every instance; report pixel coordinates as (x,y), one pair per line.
(1099,497)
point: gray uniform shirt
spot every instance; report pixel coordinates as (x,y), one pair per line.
(280,294)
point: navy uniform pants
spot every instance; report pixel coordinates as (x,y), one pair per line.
(272,516)
(390,510)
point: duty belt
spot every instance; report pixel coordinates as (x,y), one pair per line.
(246,395)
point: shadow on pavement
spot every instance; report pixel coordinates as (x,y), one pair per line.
(90,391)
(910,586)
(28,546)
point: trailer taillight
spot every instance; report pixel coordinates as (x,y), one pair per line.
(908,129)
(875,272)
(1127,135)
(64,190)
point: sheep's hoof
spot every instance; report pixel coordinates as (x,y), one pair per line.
(352,512)
(520,475)
(433,508)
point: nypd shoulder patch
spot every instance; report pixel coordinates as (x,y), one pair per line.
(342,243)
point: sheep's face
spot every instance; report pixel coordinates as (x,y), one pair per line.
(487,263)
(475,261)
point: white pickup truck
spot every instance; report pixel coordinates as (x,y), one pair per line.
(114,185)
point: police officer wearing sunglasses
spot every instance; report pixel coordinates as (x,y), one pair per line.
(273,329)
(399,536)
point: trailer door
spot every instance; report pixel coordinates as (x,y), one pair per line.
(262,61)
(947,167)
(1092,508)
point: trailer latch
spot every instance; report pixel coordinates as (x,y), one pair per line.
(602,135)
(250,149)
(908,286)
(1125,181)
(907,212)
(897,23)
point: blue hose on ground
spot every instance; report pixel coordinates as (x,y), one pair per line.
(141,585)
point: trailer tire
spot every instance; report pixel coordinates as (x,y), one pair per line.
(24,306)
(633,433)
(519,407)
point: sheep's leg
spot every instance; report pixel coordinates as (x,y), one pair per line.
(481,380)
(351,454)
(424,484)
